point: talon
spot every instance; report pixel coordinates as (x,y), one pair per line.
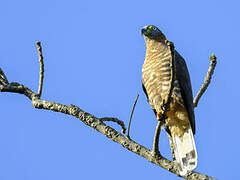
(156,154)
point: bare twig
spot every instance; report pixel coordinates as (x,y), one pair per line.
(207,79)
(130,119)
(101,127)
(41,74)
(3,78)
(121,123)
(165,106)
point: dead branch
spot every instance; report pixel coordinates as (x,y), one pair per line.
(130,119)
(41,72)
(207,80)
(116,120)
(96,124)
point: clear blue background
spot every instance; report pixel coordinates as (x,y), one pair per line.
(93,53)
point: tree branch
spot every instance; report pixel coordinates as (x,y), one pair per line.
(98,125)
(116,120)
(41,73)
(207,79)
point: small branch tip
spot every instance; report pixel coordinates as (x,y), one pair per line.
(38,43)
(213,57)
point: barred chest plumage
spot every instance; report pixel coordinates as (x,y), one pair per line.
(156,74)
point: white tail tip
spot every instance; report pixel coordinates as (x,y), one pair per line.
(185,152)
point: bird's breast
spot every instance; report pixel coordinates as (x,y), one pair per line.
(156,75)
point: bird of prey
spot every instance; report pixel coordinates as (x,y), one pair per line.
(156,75)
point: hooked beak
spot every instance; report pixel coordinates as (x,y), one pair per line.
(144,31)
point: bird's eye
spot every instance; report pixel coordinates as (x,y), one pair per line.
(154,28)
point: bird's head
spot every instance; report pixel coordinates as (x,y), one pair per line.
(152,32)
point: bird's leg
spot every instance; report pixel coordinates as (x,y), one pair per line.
(155,150)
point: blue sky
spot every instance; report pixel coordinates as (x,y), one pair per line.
(93,53)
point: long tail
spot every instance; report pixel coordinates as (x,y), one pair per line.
(185,151)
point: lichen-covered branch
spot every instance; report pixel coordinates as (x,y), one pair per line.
(207,79)
(98,125)
(116,120)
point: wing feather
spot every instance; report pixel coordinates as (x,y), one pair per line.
(183,77)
